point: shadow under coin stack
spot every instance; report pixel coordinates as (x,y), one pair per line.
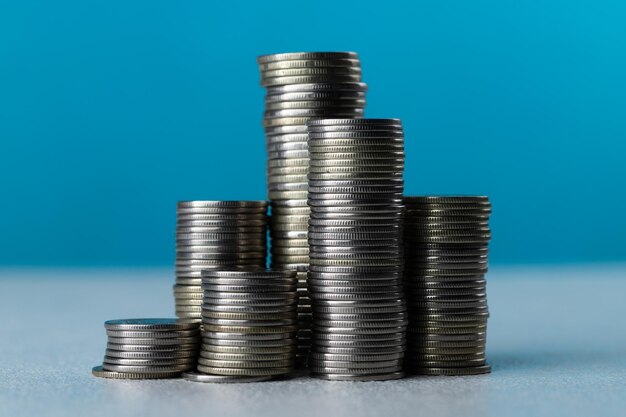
(356,257)
(301,86)
(249,323)
(149,348)
(215,235)
(446,241)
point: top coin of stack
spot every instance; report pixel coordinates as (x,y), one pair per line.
(355,237)
(149,348)
(301,86)
(446,242)
(215,235)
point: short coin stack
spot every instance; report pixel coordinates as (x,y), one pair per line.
(215,234)
(301,86)
(446,242)
(149,348)
(249,323)
(356,258)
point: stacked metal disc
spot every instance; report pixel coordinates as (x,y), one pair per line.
(149,348)
(446,243)
(249,323)
(215,235)
(301,86)
(356,256)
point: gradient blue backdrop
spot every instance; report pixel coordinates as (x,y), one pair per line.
(111,111)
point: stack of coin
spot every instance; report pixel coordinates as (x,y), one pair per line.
(149,348)
(215,235)
(249,323)
(301,86)
(446,250)
(356,258)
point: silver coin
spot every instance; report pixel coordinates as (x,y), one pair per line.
(363,347)
(293,251)
(145,369)
(171,342)
(303,79)
(248,357)
(150,325)
(316,96)
(265,322)
(272,123)
(361,122)
(352,364)
(294,72)
(316,370)
(265,59)
(151,354)
(311,104)
(249,316)
(267,288)
(464,371)
(279,308)
(254,274)
(222,204)
(100,372)
(349,87)
(277,150)
(155,334)
(153,348)
(358,330)
(290,348)
(261,215)
(361,378)
(286,342)
(309,63)
(187,361)
(387,169)
(222,379)
(245,372)
(249,282)
(286,332)
(329,136)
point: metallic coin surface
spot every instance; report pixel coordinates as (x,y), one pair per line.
(222,379)
(100,372)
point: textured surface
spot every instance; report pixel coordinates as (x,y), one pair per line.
(557,344)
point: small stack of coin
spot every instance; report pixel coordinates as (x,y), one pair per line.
(446,246)
(149,348)
(215,234)
(301,86)
(356,258)
(249,323)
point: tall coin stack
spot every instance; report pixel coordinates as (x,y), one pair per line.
(215,235)
(249,323)
(356,258)
(301,86)
(446,242)
(149,348)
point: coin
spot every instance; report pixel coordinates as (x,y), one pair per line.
(100,372)
(359,378)
(133,369)
(150,325)
(188,361)
(153,334)
(245,371)
(150,355)
(222,379)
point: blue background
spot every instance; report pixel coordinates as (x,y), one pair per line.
(111,111)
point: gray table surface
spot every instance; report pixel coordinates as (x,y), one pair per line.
(557,344)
